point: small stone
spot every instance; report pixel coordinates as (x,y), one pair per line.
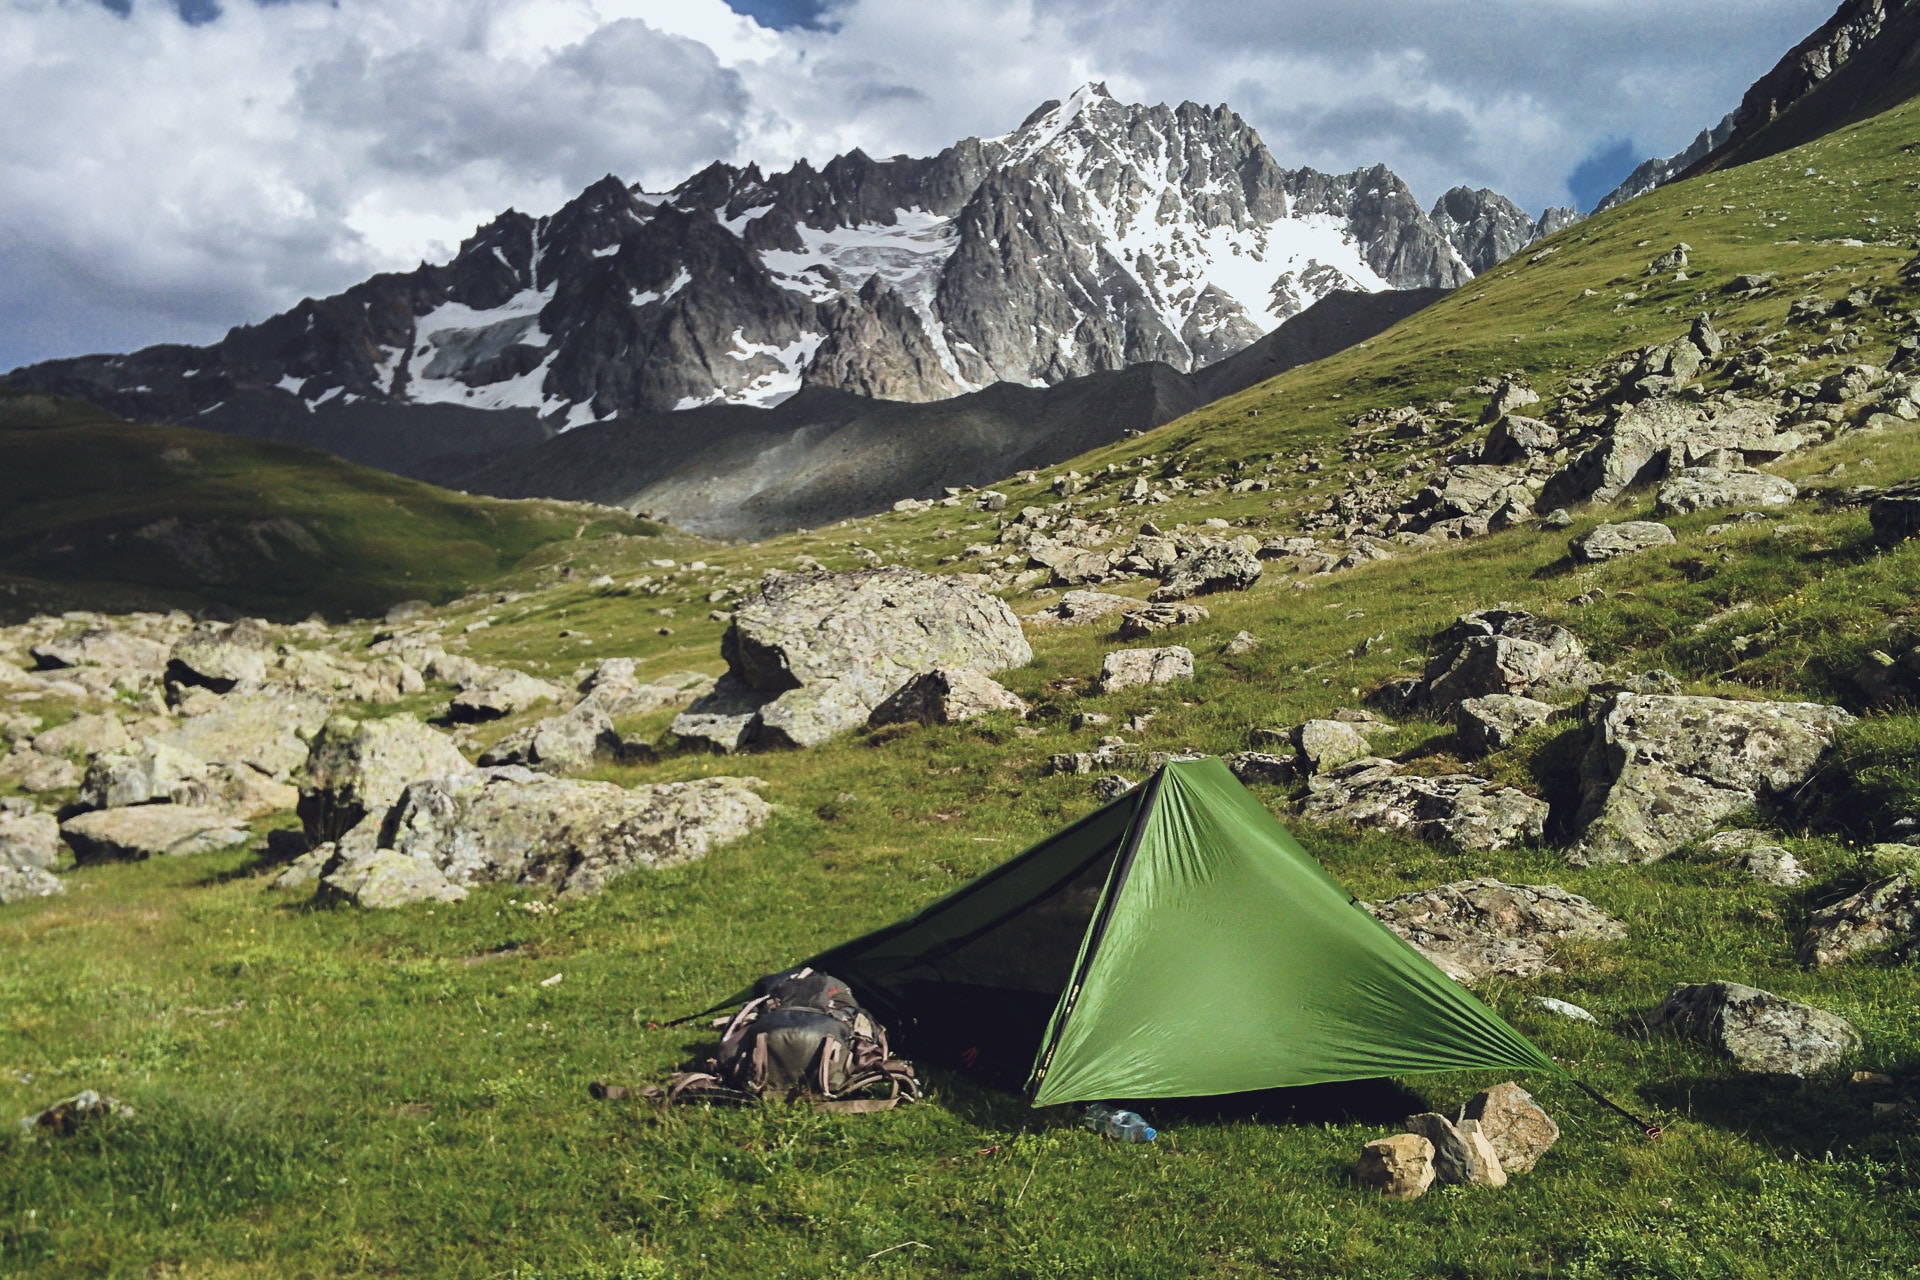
(1243,642)
(1514,1125)
(1562,1007)
(1610,541)
(1400,1167)
(1461,1156)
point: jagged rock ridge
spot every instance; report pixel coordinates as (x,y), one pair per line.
(1096,236)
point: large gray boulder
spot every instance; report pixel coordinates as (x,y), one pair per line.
(1502,650)
(1218,566)
(822,650)
(1080,609)
(84,736)
(511,824)
(1763,1033)
(1884,916)
(501,692)
(1661,769)
(222,657)
(615,688)
(1515,439)
(29,839)
(102,647)
(35,772)
(150,831)
(1632,451)
(1496,721)
(148,772)
(358,769)
(1700,488)
(947,695)
(384,880)
(1128,668)
(1474,928)
(566,743)
(268,731)
(1610,541)
(1460,809)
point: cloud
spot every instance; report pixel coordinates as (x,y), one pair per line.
(165,176)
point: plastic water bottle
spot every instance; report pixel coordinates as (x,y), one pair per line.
(1122,1126)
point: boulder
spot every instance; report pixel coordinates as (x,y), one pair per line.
(827,648)
(565,743)
(1515,439)
(385,880)
(1514,1125)
(268,731)
(946,695)
(1080,608)
(1629,537)
(1125,668)
(1494,722)
(1510,396)
(1474,928)
(1243,643)
(1462,1156)
(1763,1033)
(1328,744)
(83,736)
(1884,916)
(1399,1168)
(1765,862)
(724,718)
(150,831)
(359,769)
(1215,567)
(221,657)
(83,1110)
(615,689)
(36,773)
(1470,812)
(1698,488)
(145,773)
(17,884)
(1661,770)
(102,647)
(30,839)
(501,692)
(1502,650)
(1261,767)
(1631,451)
(511,824)
(1151,619)
(1895,513)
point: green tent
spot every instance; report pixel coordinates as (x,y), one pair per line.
(1175,943)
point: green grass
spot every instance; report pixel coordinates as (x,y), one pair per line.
(400,1096)
(99,513)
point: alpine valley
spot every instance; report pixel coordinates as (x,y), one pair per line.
(1096,237)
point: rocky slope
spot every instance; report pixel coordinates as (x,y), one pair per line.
(1095,236)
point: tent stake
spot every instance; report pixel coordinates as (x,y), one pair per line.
(1647,1127)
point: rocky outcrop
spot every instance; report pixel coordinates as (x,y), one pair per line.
(812,655)
(150,831)
(1485,228)
(1080,609)
(1884,916)
(1457,809)
(947,695)
(84,735)
(1128,668)
(1152,619)
(359,769)
(1502,650)
(1662,770)
(1496,721)
(514,825)
(1221,566)
(1700,488)
(500,692)
(267,731)
(101,647)
(221,657)
(1763,1033)
(1475,928)
(1610,541)
(566,743)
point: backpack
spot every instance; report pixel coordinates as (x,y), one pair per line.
(803,1033)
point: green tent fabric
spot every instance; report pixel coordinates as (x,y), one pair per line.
(1175,943)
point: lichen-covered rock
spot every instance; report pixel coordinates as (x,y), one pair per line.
(565,743)
(18,884)
(1151,619)
(825,649)
(1662,770)
(1328,744)
(1474,928)
(1515,439)
(101,647)
(1700,488)
(511,824)
(1884,916)
(724,718)
(947,695)
(145,773)
(84,736)
(1215,567)
(385,880)
(1632,451)
(616,689)
(1126,668)
(501,692)
(359,769)
(1261,767)
(1502,650)
(1764,861)
(1763,1033)
(268,730)
(150,831)
(34,772)
(1609,541)
(1399,1168)
(1518,1130)
(1462,1156)
(221,657)
(1080,608)
(29,839)
(1470,812)
(1494,722)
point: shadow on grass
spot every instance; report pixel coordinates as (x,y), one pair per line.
(1812,1118)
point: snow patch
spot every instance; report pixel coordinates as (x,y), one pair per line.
(674,286)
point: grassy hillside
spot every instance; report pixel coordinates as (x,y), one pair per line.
(341,1093)
(100,513)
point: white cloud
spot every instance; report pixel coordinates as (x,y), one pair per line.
(160,181)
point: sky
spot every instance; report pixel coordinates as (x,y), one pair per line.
(170,168)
